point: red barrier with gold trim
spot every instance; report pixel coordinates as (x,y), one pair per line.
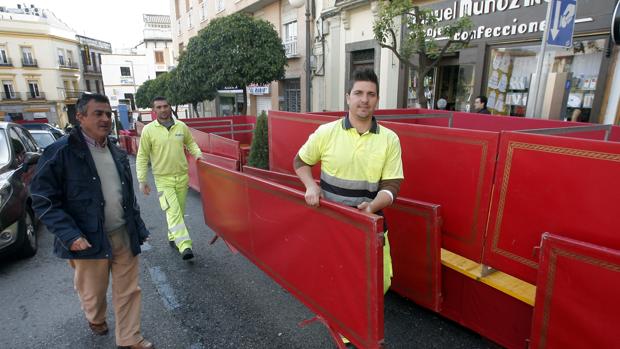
(414,233)
(331,261)
(415,244)
(577,299)
(546,183)
(450,167)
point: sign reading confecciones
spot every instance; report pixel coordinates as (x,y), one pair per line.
(615,24)
(501,19)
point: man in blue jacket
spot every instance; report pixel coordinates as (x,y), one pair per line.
(83,192)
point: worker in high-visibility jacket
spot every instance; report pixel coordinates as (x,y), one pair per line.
(361,163)
(162,143)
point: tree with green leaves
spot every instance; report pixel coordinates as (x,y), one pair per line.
(190,83)
(416,21)
(259,150)
(144,94)
(235,50)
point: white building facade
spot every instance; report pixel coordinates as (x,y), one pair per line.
(40,66)
(125,70)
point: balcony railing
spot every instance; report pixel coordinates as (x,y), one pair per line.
(29,62)
(290,47)
(13,96)
(69,93)
(91,69)
(6,63)
(37,96)
(67,64)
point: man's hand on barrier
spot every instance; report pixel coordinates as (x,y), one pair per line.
(313,194)
(145,189)
(365,207)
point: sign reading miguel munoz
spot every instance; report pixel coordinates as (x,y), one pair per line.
(615,24)
(479,9)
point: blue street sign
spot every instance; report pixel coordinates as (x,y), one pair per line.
(123,114)
(562,22)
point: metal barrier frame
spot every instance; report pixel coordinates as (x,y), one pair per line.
(571,129)
(449,115)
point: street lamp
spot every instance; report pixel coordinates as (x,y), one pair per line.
(298,4)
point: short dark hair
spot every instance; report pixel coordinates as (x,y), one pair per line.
(483,100)
(363,74)
(158,98)
(82,103)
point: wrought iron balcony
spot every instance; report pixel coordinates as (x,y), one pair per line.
(13,96)
(68,64)
(91,69)
(290,47)
(6,63)
(36,96)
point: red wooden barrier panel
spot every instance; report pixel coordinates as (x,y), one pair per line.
(192,170)
(222,146)
(415,244)
(450,167)
(202,139)
(287,133)
(577,299)
(547,183)
(331,260)
(482,122)
(487,311)
(453,168)
(414,233)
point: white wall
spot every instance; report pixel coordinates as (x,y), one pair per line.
(116,85)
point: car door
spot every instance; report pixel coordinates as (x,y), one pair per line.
(32,152)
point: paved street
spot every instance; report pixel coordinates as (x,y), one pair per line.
(218,300)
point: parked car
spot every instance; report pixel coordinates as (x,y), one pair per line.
(19,155)
(42,137)
(46,127)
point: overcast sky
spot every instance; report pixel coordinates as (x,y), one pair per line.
(118,22)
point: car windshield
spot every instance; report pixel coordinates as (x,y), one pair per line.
(43,139)
(4,149)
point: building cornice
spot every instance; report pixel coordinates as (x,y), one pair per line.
(36,35)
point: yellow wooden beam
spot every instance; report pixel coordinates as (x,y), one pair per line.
(500,281)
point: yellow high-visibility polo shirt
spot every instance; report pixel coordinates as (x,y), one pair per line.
(352,164)
(164,149)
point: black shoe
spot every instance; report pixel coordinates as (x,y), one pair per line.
(172,244)
(187,254)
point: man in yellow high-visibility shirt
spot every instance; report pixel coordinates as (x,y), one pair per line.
(162,143)
(360,160)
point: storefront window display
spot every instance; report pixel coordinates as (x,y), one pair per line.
(583,63)
(429,89)
(511,69)
(508,83)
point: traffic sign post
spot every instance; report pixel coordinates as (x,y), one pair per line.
(561,22)
(615,24)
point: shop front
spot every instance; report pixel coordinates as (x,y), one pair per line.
(501,59)
(230,102)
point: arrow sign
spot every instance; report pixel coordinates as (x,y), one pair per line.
(562,23)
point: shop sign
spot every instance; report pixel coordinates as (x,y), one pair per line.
(258,90)
(480,8)
(496,19)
